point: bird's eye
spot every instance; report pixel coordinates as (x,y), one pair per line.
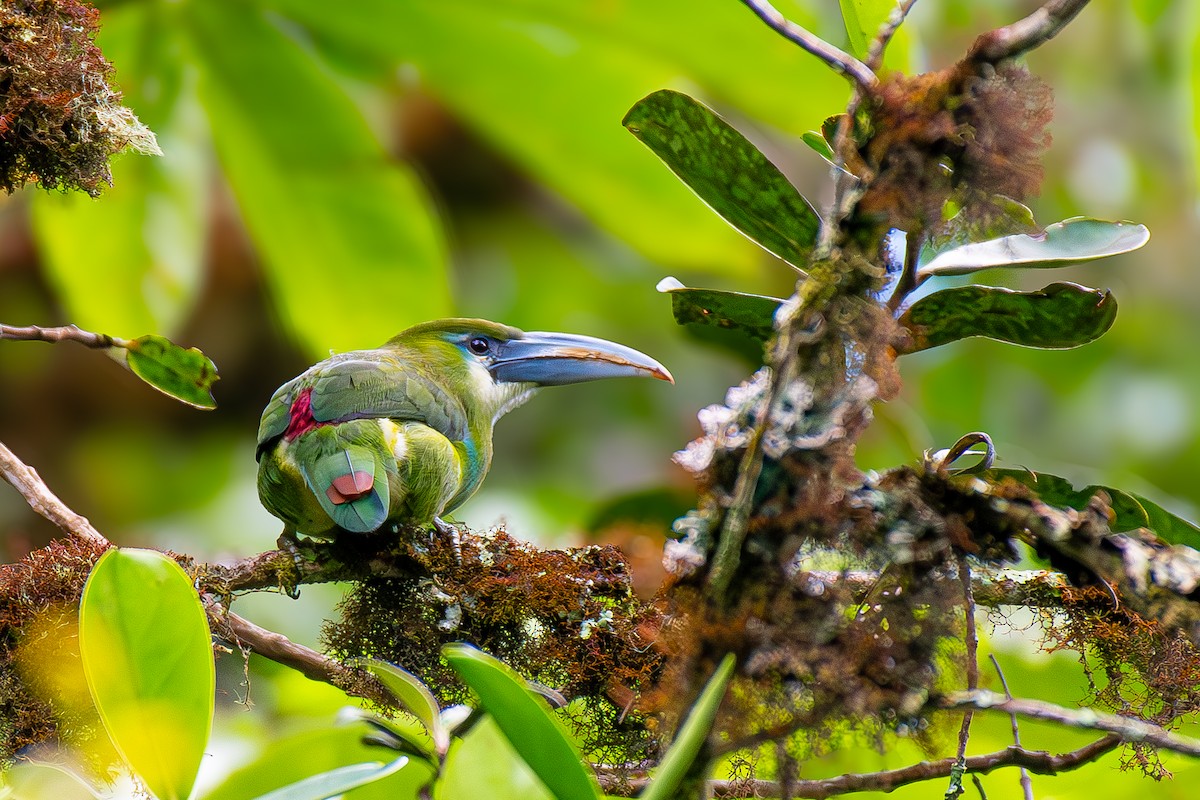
(479,345)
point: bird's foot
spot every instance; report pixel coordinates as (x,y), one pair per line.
(451,531)
(288,543)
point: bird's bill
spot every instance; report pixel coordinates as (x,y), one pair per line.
(554,359)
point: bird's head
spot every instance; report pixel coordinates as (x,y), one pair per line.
(499,366)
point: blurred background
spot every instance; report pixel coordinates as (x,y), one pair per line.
(332,176)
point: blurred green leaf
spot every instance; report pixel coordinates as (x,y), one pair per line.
(146,651)
(657,507)
(337,781)
(1061,244)
(350,240)
(863,19)
(133,260)
(413,696)
(1060,316)
(484,757)
(187,375)
(727,172)
(1131,511)
(750,314)
(291,759)
(533,732)
(690,739)
(817,142)
(34,781)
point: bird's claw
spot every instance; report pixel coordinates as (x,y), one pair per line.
(288,543)
(450,530)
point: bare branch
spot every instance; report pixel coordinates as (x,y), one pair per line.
(39,497)
(839,60)
(64,333)
(1026,781)
(971,638)
(1129,730)
(1036,761)
(1026,34)
(884,37)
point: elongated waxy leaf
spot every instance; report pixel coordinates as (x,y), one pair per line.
(727,172)
(187,375)
(817,142)
(750,314)
(534,733)
(1131,511)
(1060,316)
(414,696)
(336,782)
(145,646)
(694,731)
(1070,241)
(351,245)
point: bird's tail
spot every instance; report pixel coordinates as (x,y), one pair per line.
(352,486)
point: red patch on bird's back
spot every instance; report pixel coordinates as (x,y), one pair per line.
(300,417)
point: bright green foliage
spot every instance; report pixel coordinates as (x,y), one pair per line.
(1061,244)
(862,19)
(1062,315)
(692,734)
(522,716)
(1131,511)
(484,757)
(187,375)
(144,640)
(415,697)
(727,172)
(336,782)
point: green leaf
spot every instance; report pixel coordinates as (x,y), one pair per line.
(413,695)
(145,646)
(692,733)
(187,375)
(863,19)
(134,259)
(350,240)
(533,732)
(727,172)
(817,142)
(336,781)
(1131,511)
(749,314)
(35,781)
(1060,316)
(483,757)
(1061,244)
(293,758)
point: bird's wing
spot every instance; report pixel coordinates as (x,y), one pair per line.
(275,416)
(374,387)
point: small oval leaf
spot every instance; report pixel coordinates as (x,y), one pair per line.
(413,695)
(1060,316)
(187,375)
(750,314)
(146,651)
(1063,243)
(525,721)
(692,733)
(817,142)
(727,172)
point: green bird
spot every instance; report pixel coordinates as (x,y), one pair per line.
(403,433)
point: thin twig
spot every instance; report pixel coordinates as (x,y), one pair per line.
(39,497)
(908,279)
(839,60)
(1128,729)
(884,37)
(63,333)
(1025,34)
(971,638)
(1026,781)
(1036,761)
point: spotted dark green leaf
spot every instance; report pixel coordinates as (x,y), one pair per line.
(736,320)
(185,374)
(1060,316)
(727,172)
(1130,511)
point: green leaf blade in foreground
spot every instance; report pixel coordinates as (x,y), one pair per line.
(1130,511)
(525,721)
(413,695)
(336,782)
(1060,316)
(187,375)
(690,740)
(727,172)
(146,651)
(1061,244)
(750,314)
